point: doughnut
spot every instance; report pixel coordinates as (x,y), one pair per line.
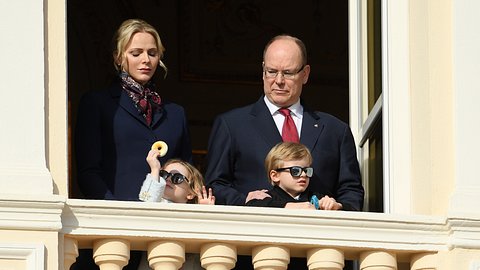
(160,146)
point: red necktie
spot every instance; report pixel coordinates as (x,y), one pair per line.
(289,130)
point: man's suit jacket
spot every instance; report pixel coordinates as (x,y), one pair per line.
(241,139)
(113,140)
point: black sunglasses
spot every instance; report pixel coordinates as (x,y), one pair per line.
(176,178)
(296,171)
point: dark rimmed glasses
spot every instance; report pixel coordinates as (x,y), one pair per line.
(296,171)
(175,178)
(289,75)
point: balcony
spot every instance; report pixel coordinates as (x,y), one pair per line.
(271,236)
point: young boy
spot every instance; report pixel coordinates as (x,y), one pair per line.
(288,168)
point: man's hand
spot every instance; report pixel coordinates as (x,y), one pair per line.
(257,194)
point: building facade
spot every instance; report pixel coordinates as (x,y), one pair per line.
(430,69)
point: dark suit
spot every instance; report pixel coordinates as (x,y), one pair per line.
(112,141)
(241,139)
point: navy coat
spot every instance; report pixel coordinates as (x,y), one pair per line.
(241,139)
(112,141)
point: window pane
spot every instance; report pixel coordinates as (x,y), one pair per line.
(374,45)
(375,169)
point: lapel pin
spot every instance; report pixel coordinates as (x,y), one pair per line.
(316,125)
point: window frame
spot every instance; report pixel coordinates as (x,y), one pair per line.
(393,104)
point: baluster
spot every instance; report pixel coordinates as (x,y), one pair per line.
(270,258)
(111,254)
(325,259)
(424,261)
(218,256)
(166,255)
(378,260)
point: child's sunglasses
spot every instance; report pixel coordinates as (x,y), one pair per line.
(175,178)
(296,171)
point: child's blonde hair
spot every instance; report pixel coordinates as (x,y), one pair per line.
(195,178)
(285,151)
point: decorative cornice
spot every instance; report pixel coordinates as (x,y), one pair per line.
(31,212)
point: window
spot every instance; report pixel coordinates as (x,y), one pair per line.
(367,98)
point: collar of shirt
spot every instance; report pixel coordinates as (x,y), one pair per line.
(296,111)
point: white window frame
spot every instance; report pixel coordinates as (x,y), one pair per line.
(394,103)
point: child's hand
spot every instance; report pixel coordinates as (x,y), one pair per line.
(327,203)
(153,162)
(300,205)
(204,198)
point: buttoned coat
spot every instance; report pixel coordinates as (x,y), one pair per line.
(112,141)
(241,139)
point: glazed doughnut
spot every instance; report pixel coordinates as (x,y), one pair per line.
(160,146)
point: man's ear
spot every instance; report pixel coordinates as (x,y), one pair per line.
(306,70)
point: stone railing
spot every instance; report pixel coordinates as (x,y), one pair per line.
(271,236)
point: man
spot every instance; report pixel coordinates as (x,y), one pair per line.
(241,138)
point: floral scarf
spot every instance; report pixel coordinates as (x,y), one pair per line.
(145,99)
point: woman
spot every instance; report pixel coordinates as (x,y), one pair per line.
(117,126)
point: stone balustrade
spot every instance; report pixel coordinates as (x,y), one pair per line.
(270,236)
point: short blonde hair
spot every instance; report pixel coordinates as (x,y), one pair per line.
(124,35)
(285,151)
(195,178)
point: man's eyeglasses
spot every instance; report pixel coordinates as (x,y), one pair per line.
(176,178)
(272,73)
(296,171)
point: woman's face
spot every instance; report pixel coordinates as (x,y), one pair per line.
(141,57)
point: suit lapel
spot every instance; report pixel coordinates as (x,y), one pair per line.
(127,104)
(312,127)
(264,124)
(157,115)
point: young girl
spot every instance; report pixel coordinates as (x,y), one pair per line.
(177,182)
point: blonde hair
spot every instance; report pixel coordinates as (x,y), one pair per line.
(195,178)
(285,151)
(124,35)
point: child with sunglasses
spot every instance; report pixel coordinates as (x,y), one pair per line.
(176,182)
(288,168)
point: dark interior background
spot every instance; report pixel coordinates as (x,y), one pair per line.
(213,53)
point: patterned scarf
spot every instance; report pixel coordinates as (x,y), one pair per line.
(145,99)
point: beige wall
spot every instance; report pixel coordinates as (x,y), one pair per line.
(21,238)
(432,106)
(56,97)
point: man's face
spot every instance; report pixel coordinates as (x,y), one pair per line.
(284,57)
